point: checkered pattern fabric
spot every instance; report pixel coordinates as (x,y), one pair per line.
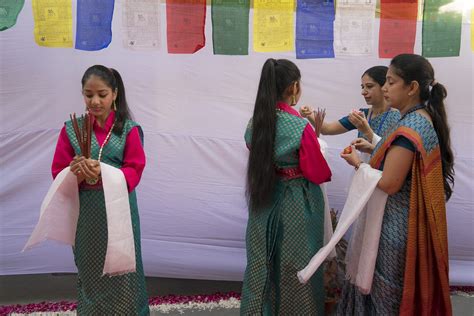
(97,294)
(282,239)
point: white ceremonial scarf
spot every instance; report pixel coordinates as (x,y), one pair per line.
(328,232)
(60,211)
(364,198)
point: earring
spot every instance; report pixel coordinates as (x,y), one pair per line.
(114,106)
(293,99)
(295,89)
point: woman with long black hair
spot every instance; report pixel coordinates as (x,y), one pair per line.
(286,206)
(411,271)
(117,141)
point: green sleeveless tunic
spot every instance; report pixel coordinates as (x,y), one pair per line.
(97,294)
(282,238)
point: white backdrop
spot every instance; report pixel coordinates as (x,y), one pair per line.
(194,109)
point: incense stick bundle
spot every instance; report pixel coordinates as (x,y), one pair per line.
(89,135)
(77,132)
(319,116)
(83,133)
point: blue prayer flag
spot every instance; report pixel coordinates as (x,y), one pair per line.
(94,19)
(314,29)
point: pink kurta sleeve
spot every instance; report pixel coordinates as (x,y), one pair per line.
(312,163)
(133,159)
(63,155)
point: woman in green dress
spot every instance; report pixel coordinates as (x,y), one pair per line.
(117,141)
(286,206)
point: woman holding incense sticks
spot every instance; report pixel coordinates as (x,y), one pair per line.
(368,121)
(286,204)
(116,140)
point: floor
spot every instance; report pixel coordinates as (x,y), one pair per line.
(23,289)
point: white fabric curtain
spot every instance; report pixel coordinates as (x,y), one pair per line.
(194,110)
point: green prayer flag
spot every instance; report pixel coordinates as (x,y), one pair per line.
(9,10)
(441,36)
(230,27)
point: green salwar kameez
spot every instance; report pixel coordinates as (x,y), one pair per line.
(102,294)
(282,238)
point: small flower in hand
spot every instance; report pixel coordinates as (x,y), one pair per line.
(351,157)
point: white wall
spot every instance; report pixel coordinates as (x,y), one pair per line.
(194,109)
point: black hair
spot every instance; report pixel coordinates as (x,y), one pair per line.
(276,77)
(377,73)
(113,80)
(411,67)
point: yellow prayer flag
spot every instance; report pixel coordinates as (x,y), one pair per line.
(273,25)
(472,29)
(53,22)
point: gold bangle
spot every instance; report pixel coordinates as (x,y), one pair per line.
(358,165)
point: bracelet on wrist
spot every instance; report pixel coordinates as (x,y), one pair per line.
(357,165)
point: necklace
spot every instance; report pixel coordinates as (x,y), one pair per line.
(94,181)
(413,109)
(105,142)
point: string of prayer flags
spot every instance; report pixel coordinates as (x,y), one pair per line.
(141,24)
(53,22)
(185,21)
(321,30)
(230,27)
(397,27)
(314,29)
(441,33)
(354,27)
(9,11)
(94,24)
(273,29)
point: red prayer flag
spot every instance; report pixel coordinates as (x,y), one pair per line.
(397,27)
(185,25)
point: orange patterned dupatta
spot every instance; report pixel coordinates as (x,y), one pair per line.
(426,278)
